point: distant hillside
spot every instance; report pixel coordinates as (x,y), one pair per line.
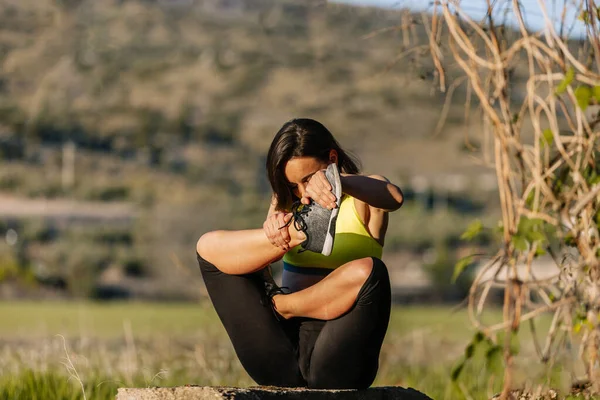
(168,80)
(172,104)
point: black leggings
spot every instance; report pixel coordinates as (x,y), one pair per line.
(334,354)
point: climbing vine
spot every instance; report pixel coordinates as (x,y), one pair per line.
(545,152)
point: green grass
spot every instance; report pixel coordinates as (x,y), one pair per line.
(45,344)
(106,320)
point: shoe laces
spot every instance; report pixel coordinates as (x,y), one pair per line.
(271,290)
(299,210)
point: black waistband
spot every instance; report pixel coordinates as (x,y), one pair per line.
(306,270)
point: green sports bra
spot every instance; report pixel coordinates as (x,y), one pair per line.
(352,241)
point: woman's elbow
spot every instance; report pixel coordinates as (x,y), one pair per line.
(398,196)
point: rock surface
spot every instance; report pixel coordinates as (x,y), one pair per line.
(264,392)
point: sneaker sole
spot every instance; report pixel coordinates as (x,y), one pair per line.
(328,246)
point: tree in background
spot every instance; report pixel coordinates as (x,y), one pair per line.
(544,147)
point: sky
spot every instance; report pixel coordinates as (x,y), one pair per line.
(477,9)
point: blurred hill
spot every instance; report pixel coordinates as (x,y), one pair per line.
(171,106)
(202,86)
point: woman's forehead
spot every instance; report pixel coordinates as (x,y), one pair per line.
(298,167)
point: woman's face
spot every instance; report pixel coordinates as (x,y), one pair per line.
(298,171)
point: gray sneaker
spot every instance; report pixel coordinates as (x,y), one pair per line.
(318,223)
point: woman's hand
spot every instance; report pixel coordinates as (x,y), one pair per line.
(318,188)
(277,235)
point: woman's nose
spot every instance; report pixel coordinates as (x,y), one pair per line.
(301,189)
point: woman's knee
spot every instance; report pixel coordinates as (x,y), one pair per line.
(368,269)
(203,246)
(380,271)
(360,270)
(376,285)
(204,243)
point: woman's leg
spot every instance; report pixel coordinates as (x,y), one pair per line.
(243,252)
(266,347)
(329,298)
(346,352)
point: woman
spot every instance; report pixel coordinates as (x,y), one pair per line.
(328,330)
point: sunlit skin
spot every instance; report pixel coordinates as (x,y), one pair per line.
(322,298)
(299,171)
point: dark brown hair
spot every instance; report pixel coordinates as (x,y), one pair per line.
(302,137)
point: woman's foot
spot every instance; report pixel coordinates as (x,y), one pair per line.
(271,290)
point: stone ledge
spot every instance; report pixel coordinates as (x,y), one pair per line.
(266,392)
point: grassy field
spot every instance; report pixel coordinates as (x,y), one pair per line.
(53,350)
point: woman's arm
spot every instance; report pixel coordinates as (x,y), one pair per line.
(374,190)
